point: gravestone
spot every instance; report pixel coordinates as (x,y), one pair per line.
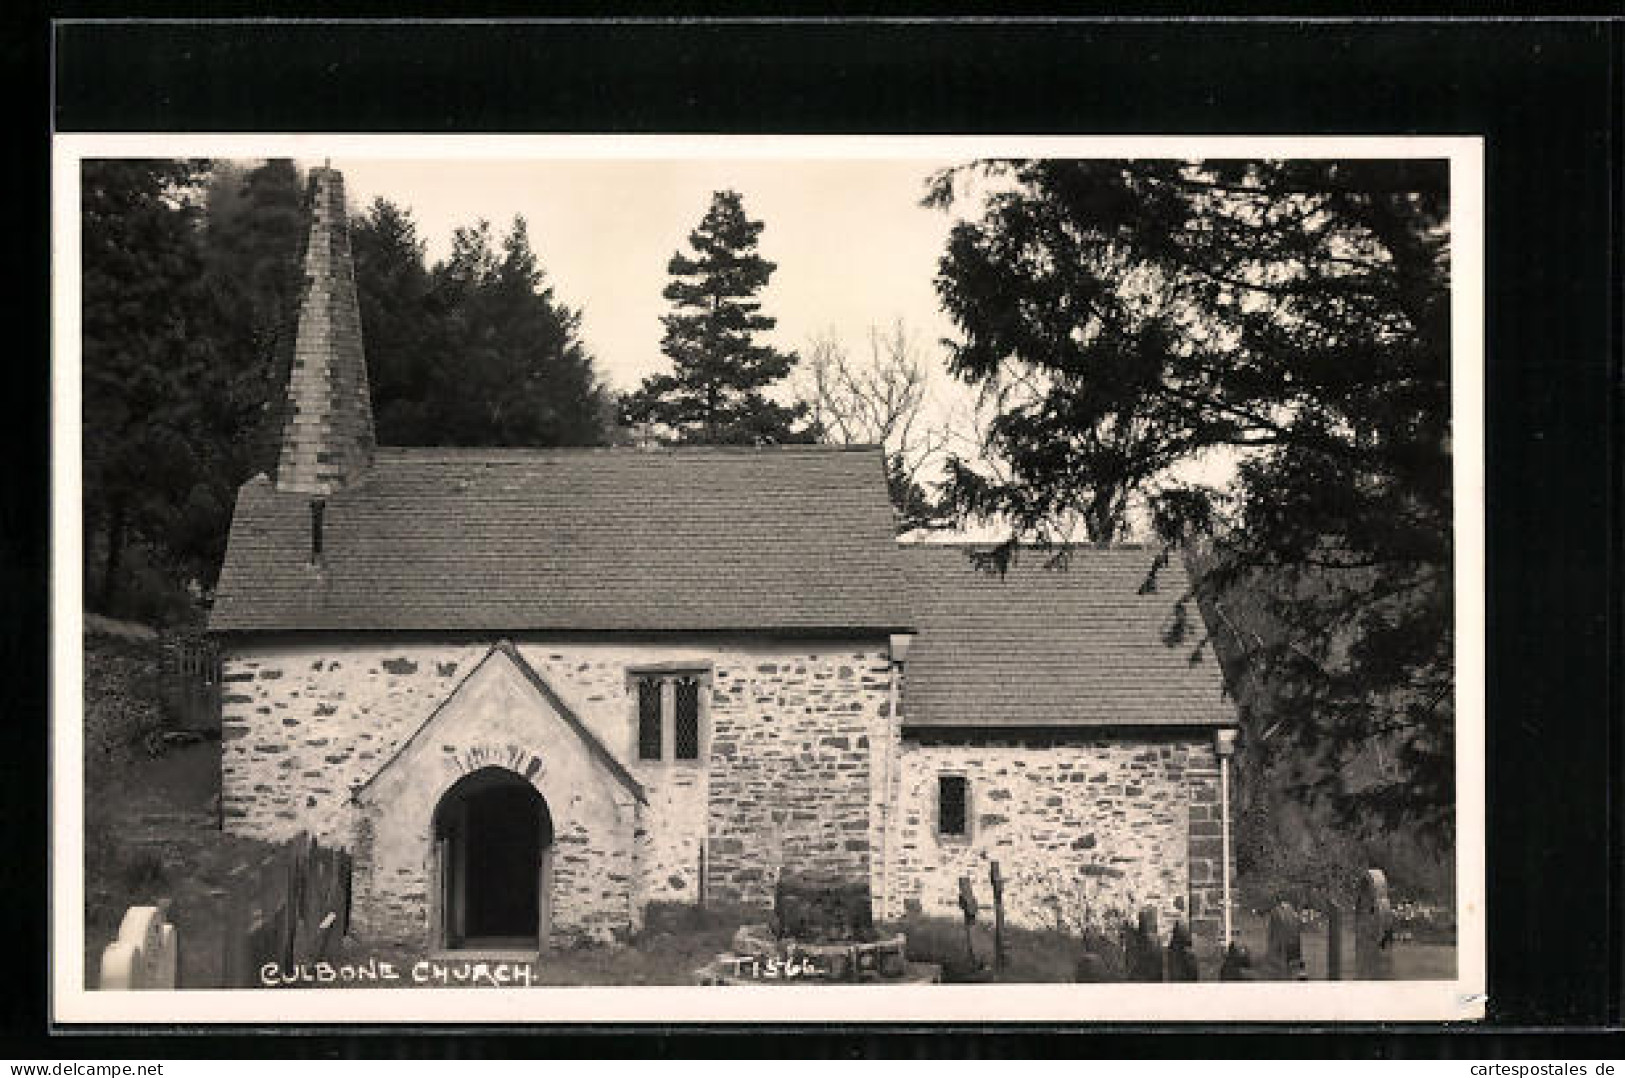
(1373,928)
(1283,948)
(968,906)
(1142,949)
(146,953)
(1237,965)
(822,910)
(1181,959)
(1092,968)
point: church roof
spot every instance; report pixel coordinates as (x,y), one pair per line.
(775,539)
(1076,646)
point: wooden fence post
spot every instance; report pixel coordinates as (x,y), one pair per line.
(238,960)
(1336,926)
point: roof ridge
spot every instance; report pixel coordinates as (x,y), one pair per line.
(967,544)
(623,450)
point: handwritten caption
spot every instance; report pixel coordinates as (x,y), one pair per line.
(771,967)
(450,974)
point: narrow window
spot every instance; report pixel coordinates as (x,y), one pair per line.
(317,507)
(687,739)
(649,719)
(951,791)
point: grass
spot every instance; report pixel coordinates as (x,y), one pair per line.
(131,864)
(676,940)
(193,869)
(1032,956)
(1433,959)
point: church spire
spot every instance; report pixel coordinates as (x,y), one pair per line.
(327,439)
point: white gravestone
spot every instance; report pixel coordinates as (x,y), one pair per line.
(145,954)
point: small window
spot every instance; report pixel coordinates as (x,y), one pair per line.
(686,691)
(649,719)
(952,791)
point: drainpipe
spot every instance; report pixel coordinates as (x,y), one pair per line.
(1224,744)
(894,699)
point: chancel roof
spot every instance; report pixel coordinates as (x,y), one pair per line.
(1088,643)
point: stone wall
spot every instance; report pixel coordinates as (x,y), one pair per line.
(785,782)
(1084,825)
(496,719)
(304,723)
(790,768)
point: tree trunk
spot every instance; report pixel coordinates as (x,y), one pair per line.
(108,591)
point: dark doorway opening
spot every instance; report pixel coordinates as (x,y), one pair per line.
(493,855)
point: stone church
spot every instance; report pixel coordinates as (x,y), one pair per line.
(535,690)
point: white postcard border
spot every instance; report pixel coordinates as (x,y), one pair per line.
(1317,1002)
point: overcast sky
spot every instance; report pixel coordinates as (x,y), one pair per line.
(853,245)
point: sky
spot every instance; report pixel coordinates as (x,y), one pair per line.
(854,247)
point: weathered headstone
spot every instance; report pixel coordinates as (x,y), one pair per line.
(1181,963)
(1373,928)
(1143,949)
(1237,965)
(968,906)
(1092,968)
(146,953)
(1283,953)
(822,910)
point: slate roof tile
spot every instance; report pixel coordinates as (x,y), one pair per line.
(1039,646)
(710,539)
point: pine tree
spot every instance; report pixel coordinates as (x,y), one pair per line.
(476,351)
(715,393)
(402,324)
(254,237)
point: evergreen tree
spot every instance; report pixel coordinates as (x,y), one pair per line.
(1134,317)
(254,238)
(403,322)
(149,367)
(715,394)
(477,351)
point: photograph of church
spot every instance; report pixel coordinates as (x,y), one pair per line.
(533,691)
(729,570)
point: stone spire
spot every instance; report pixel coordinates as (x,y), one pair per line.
(327,439)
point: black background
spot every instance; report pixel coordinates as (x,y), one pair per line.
(1543,94)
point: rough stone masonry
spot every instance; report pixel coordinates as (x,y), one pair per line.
(397,625)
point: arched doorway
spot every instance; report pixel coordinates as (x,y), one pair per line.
(493,839)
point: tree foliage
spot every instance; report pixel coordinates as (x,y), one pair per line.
(190,308)
(1142,324)
(149,369)
(254,235)
(720,369)
(476,350)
